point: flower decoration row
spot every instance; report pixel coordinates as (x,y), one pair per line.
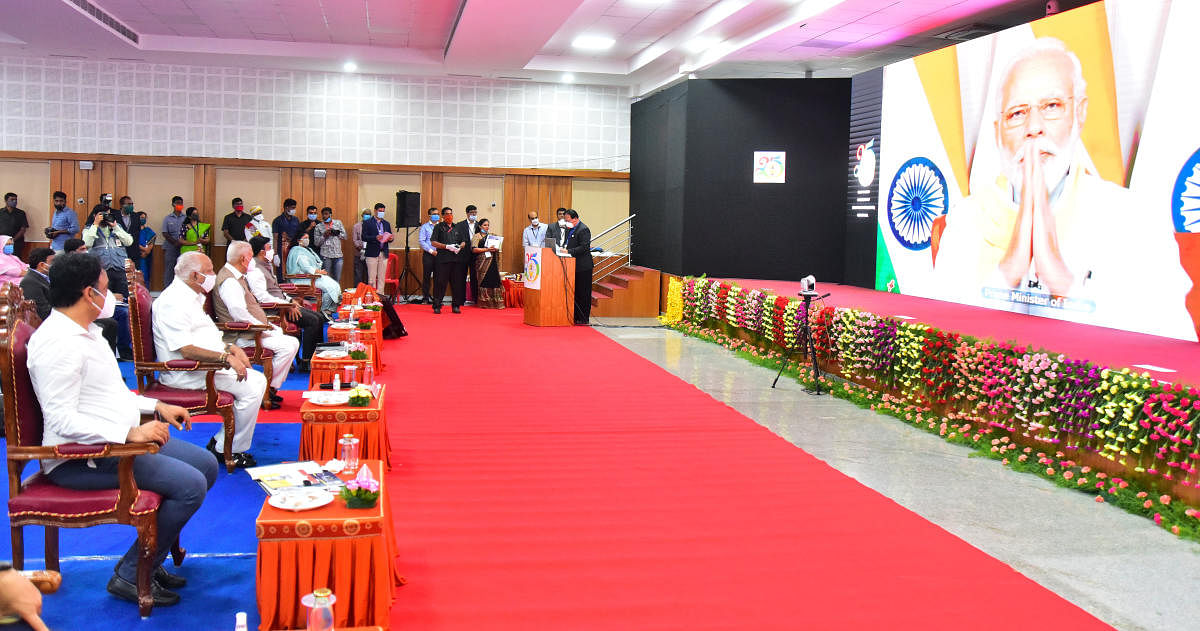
(1016,393)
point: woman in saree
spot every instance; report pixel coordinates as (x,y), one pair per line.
(487,268)
(302,260)
(145,240)
(195,235)
(11,267)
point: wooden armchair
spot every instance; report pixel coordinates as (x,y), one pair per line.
(37,501)
(306,289)
(146,367)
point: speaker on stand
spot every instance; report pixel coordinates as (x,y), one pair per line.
(408,215)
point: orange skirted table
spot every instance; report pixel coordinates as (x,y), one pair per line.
(321,426)
(359,314)
(351,551)
(514,293)
(371,337)
(322,370)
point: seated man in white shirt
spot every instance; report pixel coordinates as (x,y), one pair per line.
(182,330)
(235,302)
(84,400)
(261,278)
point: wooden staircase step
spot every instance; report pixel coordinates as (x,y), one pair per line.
(597,296)
(618,280)
(606,288)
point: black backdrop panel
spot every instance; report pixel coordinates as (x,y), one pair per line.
(658,142)
(735,228)
(408,209)
(862,194)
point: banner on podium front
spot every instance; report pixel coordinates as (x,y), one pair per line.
(533,267)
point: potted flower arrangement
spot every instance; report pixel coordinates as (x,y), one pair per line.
(364,325)
(357,351)
(373,307)
(360,397)
(362,491)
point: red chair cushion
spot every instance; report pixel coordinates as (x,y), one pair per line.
(184,398)
(29,411)
(142,324)
(40,496)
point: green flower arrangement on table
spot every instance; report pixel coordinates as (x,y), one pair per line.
(360,397)
(362,491)
(1116,434)
(364,325)
(358,351)
(373,307)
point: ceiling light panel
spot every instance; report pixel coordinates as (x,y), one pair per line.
(593,42)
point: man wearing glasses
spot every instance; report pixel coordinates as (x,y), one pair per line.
(1049,235)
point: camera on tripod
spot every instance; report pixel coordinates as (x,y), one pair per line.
(808,293)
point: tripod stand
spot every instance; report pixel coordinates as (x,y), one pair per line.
(405,273)
(806,342)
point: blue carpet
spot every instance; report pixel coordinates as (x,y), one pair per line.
(295,380)
(219,540)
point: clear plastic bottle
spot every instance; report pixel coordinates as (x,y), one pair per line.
(320,609)
(239,623)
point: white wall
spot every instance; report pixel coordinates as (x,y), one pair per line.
(151,109)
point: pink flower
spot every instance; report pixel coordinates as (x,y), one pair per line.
(1166,499)
(352,485)
(1148,504)
(1158,519)
(1068,475)
(1141,494)
(1175,530)
(1049,471)
(1100,499)
(1004,462)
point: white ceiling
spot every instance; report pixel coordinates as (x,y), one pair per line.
(657,42)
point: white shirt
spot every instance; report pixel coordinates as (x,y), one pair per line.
(258,283)
(534,235)
(79,386)
(235,298)
(180,320)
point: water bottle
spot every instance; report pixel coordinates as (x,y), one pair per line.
(337,380)
(239,621)
(320,609)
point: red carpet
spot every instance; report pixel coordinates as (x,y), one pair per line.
(551,479)
(1110,347)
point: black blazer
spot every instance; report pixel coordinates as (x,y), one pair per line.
(466,256)
(456,233)
(579,244)
(37,289)
(553,231)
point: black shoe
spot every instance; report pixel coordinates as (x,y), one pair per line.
(457,310)
(124,354)
(243,460)
(167,580)
(272,405)
(125,590)
(437,309)
(276,398)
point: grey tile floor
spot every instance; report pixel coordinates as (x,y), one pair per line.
(1119,567)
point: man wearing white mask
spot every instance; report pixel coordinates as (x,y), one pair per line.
(534,234)
(182,330)
(466,256)
(376,234)
(557,230)
(1049,235)
(84,400)
(360,248)
(234,301)
(428,254)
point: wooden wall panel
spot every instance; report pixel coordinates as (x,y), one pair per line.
(523,193)
(431,190)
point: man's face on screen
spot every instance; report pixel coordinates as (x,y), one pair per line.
(1039,106)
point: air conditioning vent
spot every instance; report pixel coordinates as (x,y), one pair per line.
(969,31)
(104,18)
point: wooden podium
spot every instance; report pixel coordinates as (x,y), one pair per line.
(554,303)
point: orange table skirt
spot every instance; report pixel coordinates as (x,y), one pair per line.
(322,370)
(514,293)
(322,426)
(350,551)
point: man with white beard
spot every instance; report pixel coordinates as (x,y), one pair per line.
(1049,235)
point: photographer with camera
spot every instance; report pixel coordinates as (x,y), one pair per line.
(64,224)
(330,234)
(106,237)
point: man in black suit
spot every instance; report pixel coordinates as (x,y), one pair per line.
(35,285)
(579,245)
(451,242)
(468,258)
(555,230)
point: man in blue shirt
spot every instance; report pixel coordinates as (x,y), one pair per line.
(64,225)
(172,232)
(285,223)
(376,233)
(428,254)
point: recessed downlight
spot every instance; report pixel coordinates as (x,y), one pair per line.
(593,42)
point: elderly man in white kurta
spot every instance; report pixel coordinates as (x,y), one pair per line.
(183,330)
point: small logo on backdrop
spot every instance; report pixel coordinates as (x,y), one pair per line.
(864,171)
(770,167)
(916,198)
(1185,200)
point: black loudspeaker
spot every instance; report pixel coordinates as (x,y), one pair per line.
(408,209)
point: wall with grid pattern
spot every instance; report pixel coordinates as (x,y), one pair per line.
(150,109)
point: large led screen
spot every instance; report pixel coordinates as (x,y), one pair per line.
(1050,169)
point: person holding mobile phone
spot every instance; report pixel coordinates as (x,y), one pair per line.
(330,234)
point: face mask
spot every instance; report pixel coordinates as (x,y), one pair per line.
(290,211)
(329,220)
(239,208)
(268,253)
(471,218)
(381,214)
(12,203)
(533,222)
(312,216)
(128,208)
(366,217)
(8,248)
(304,242)
(208,282)
(58,206)
(562,223)
(434,218)
(178,208)
(483,231)
(109,306)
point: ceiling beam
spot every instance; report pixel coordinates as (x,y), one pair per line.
(504,34)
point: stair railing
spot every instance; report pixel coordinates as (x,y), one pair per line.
(617,241)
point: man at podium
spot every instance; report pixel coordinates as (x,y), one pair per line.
(579,246)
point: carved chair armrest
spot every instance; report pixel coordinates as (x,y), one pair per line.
(242,327)
(78,451)
(177,365)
